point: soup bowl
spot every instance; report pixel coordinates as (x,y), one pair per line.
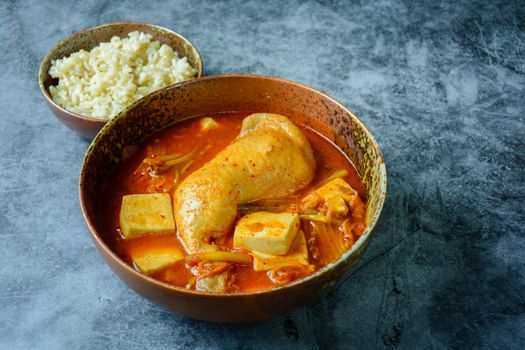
(249,93)
(87,39)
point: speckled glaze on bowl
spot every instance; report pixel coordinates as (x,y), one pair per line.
(89,38)
(221,93)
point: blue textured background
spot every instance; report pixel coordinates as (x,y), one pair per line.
(441,85)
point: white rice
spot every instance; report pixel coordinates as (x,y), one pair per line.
(102,82)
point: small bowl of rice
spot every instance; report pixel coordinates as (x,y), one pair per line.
(93,75)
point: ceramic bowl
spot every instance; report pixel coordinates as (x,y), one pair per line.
(89,38)
(212,94)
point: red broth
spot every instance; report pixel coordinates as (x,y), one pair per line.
(182,137)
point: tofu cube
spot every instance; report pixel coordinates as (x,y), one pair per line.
(269,233)
(336,194)
(297,256)
(157,259)
(208,123)
(146,213)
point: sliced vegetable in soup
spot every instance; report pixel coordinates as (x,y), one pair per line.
(234,202)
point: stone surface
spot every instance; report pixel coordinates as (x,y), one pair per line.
(441,85)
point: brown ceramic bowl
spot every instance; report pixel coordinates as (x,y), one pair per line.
(221,93)
(89,38)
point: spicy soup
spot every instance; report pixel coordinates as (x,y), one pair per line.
(148,169)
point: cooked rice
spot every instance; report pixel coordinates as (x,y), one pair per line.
(102,82)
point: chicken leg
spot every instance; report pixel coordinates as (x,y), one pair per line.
(270,158)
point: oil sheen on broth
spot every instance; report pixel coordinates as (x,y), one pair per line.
(331,211)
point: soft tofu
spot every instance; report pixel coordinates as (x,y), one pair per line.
(146,213)
(269,233)
(157,259)
(297,256)
(336,194)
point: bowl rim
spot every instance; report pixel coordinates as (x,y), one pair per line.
(47,57)
(359,244)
